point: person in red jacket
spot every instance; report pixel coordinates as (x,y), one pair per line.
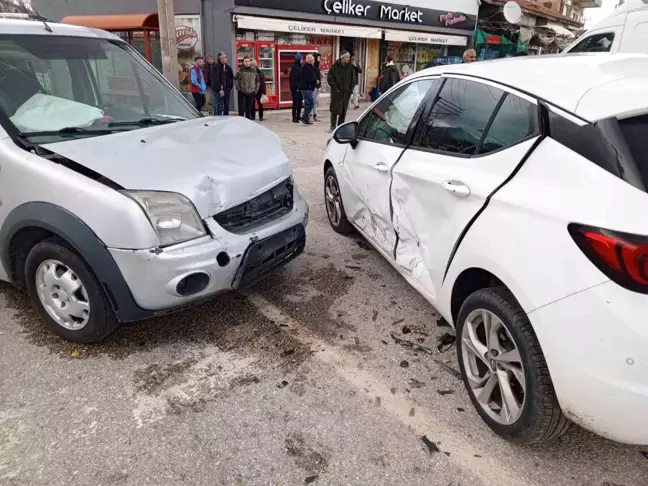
(198,85)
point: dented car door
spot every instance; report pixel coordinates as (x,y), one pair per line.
(384,133)
(473,138)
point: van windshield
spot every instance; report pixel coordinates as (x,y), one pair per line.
(52,84)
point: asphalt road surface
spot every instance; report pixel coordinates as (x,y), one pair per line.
(298,382)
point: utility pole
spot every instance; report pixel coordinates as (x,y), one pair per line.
(168,41)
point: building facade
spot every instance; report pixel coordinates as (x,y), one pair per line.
(416,33)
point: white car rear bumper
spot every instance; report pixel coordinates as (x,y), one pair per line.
(596,345)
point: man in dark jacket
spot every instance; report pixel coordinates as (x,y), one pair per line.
(262,91)
(209,75)
(390,76)
(295,77)
(340,80)
(307,85)
(247,85)
(222,82)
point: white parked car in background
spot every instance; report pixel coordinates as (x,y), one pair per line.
(511,194)
(624,30)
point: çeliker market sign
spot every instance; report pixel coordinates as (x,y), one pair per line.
(371,10)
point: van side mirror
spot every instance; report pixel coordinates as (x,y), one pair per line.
(347,133)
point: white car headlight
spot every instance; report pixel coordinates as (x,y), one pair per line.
(173,217)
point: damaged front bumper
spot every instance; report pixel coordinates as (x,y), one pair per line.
(191,272)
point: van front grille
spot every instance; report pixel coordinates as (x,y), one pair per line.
(270,205)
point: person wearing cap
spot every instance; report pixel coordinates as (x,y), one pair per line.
(295,79)
(340,80)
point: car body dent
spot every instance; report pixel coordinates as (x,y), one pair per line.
(217,163)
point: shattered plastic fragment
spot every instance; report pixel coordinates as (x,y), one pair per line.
(414,383)
(445,342)
(283,384)
(404,364)
(445,392)
(311,479)
(406,330)
(432,447)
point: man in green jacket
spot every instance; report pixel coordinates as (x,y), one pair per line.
(340,80)
(247,84)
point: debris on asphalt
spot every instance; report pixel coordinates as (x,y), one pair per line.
(645,454)
(477,455)
(353,267)
(364,245)
(283,384)
(409,344)
(447,453)
(288,352)
(311,479)
(356,340)
(404,364)
(75,354)
(445,342)
(378,401)
(447,368)
(443,393)
(406,330)
(460,409)
(441,322)
(414,383)
(384,342)
(420,340)
(375,316)
(397,321)
(412,412)
(432,447)
(393,391)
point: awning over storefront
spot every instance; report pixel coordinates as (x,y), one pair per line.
(422,38)
(298,27)
(559,29)
(115,22)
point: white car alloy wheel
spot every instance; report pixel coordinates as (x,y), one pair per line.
(493,366)
(333,200)
(63,295)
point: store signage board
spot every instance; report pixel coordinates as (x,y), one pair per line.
(372,10)
(419,38)
(310,28)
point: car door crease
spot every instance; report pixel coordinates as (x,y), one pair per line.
(543,134)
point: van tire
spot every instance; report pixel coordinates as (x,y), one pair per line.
(101,320)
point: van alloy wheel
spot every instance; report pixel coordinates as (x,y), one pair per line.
(63,295)
(493,366)
(333,201)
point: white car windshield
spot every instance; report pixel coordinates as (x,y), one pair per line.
(79,84)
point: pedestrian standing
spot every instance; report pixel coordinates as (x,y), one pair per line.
(390,76)
(209,74)
(318,89)
(340,80)
(307,86)
(261,93)
(470,56)
(247,84)
(357,71)
(222,83)
(198,86)
(295,75)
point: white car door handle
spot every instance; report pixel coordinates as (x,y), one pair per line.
(381,167)
(457,188)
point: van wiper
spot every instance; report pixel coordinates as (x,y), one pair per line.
(143,122)
(67,131)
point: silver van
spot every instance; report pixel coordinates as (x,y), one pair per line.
(118,201)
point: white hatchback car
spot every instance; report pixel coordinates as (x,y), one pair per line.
(509,194)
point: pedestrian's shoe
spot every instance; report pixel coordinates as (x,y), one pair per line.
(261,119)
(315,119)
(295,120)
(331,130)
(357,107)
(305,123)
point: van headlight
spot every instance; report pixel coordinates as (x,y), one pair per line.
(173,216)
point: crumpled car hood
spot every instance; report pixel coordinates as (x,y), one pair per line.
(218,163)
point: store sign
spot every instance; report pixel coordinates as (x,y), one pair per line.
(493,39)
(419,38)
(186,37)
(373,10)
(387,12)
(296,27)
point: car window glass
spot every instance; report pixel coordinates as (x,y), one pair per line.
(459,116)
(391,117)
(516,120)
(595,43)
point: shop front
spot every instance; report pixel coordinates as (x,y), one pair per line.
(418,35)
